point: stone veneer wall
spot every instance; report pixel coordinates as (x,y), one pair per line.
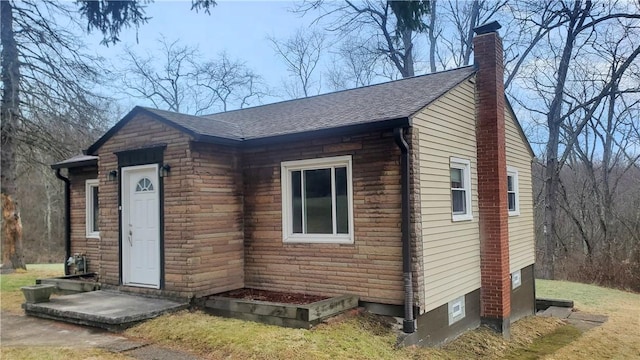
(80,243)
(217,257)
(372,266)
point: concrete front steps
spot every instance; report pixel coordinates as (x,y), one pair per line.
(103,309)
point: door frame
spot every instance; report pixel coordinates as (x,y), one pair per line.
(124,193)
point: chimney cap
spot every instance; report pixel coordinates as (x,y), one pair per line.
(487,28)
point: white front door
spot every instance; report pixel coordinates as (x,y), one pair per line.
(140,226)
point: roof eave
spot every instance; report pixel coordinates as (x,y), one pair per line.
(217,140)
(75,164)
(336,131)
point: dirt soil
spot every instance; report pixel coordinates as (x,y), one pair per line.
(273,296)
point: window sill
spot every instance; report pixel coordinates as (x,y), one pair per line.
(514,213)
(319,239)
(93,236)
(462,217)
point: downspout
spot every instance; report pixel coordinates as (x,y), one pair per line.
(67,219)
(409,323)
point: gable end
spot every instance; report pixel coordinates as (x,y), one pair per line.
(138,110)
(520,130)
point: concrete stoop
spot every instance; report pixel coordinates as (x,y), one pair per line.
(103,309)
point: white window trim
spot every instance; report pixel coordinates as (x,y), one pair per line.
(516,279)
(455,316)
(89,185)
(465,165)
(287,216)
(513,172)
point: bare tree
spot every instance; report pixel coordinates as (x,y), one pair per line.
(169,83)
(433,33)
(182,80)
(568,39)
(604,156)
(354,64)
(231,82)
(301,53)
(10,114)
(390,25)
(45,74)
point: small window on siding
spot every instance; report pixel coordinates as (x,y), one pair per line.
(460,176)
(513,201)
(456,310)
(317,201)
(92,209)
(516,279)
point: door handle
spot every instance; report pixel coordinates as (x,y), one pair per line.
(130,235)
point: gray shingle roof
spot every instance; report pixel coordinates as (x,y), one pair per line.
(201,125)
(369,104)
(383,105)
(76,161)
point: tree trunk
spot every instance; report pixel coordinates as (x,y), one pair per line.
(550,208)
(432,37)
(408,54)
(9,112)
(553,166)
(475,13)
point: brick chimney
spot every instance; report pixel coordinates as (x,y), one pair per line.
(495,293)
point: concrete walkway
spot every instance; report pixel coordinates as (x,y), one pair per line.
(582,321)
(20,330)
(26,331)
(104,309)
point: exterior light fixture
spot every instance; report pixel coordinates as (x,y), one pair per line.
(164,170)
(113,175)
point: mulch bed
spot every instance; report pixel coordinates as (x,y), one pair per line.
(272,296)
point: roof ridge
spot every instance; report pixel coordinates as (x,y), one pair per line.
(337,92)
(233,124)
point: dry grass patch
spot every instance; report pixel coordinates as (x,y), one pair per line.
(359,337)
(352,337)
(484,343)
(618,338)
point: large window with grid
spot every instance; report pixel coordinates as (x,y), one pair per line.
(317,200)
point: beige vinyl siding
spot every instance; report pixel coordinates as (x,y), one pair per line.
(521,231)
(451,250)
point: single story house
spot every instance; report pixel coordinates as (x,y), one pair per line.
(413,194)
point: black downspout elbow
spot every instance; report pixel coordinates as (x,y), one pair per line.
(67,219)
(409,323)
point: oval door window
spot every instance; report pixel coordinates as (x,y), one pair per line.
(144,185)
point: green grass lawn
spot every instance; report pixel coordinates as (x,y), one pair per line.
(618,338)
(361,336)
(10,295)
